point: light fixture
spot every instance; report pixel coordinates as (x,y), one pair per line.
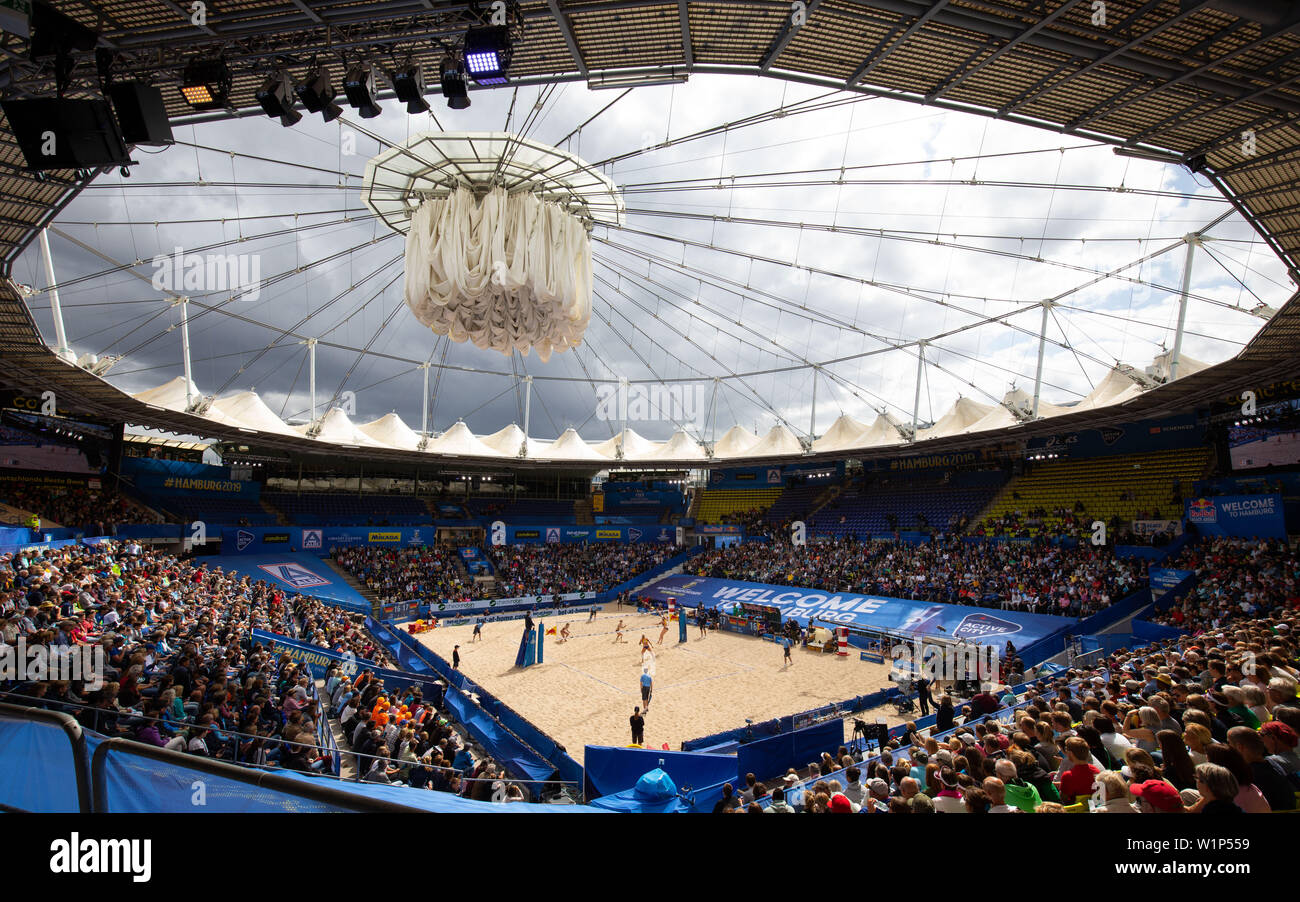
(360,88)
(205,84)
(452,76)
(317,94)
(408,84)
(276,98)
(487,54)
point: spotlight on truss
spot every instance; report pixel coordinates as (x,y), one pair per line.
(276,98)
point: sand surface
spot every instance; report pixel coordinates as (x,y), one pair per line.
(584,691)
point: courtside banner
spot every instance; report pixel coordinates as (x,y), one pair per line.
(567,535)
(1244,516)
(318,661)
(317,658)
(320,540)
(948,621)
(296,574)
(1163,579)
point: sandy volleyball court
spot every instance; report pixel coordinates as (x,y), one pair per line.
(585,690)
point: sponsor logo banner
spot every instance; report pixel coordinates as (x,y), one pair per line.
(313,539)
(295,575)
(275,538)
(377,538)
(897,616)
(1243,516)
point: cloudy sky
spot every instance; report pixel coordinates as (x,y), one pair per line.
(856,227)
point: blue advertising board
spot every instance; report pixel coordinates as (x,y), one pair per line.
(1163,579)
(1125,438)
(319,540)
(1244,516)
(563,535)
(296,574)
(318,660)
(868,612)
(180,477)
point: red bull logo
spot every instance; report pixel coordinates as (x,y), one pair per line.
(1202,510)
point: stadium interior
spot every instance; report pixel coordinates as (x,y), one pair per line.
(897,412)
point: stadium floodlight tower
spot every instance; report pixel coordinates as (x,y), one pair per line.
(519,215)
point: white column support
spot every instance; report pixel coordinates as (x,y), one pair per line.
(60,334)
(1193,241)
(812,419)
(424,408)
(622,408)
(1042,347)
(528,406)
(311,378)
(920,374)
(185,351)
(713,412)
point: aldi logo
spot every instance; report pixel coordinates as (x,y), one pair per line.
(313,539)
(295,575)
(981,626)
(243,539)
(552,534)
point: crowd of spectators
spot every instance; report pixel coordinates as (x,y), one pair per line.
(1236,579)
(554,569)
(179,667)
(400,739)
(1199,724)
(403,574)
(74,507)
(1037,577)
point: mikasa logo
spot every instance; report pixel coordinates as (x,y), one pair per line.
(103,856)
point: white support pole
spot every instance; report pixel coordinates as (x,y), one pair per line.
(920,374)
(1192,241)
(424,409)
(812,419)
(1042,346)
(185,351)
(60,335)
(622,408)
(713,412)
(528,405)
(311,378)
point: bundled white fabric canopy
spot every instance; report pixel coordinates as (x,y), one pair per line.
(963,414)
(570,446)
(735,442)
(391,431)
(248,409)
(507,441)
(845,433)
(883,431)
(1115,388)
(459,440)
(778,440)
(510,272)
(635,447)
(170,394)
(680,447)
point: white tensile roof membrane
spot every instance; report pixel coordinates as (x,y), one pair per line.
(247,410)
